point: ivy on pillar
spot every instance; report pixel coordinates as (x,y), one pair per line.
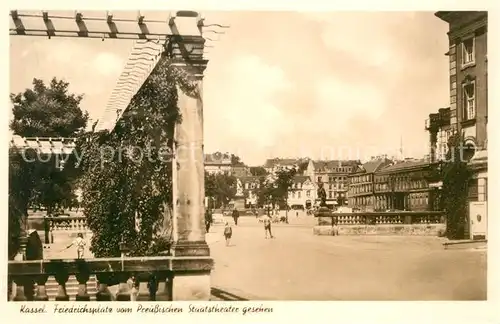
(189,183)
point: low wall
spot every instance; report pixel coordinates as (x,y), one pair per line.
(380,223)
(397,229)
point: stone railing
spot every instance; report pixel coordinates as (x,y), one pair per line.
(382,223)
(155,277)
(381,218)
(67,223)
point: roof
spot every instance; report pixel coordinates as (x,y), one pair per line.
(217,159)
(301,178)
(449,16)
(374,165)
(331,164)
(44,145)
(404,165)
(249,179)
(282,162)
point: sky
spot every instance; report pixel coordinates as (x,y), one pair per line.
(339,85)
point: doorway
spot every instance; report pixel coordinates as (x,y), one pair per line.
(478,220)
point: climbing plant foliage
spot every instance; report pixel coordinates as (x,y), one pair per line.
(456,175)
(126,181)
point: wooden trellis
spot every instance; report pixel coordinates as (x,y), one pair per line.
(150,35)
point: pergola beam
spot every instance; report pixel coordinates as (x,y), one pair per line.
(107,26)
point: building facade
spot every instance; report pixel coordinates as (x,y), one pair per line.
(302,194)
(440,130)
(361,184)
(334,176)
(405,186)
(468,53)
(276,164)
(217,163)
(251,185)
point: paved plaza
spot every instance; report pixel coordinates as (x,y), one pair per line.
(298,265)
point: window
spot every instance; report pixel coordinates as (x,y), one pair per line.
(299,194)
(329,194)
(469,100)
(468,51)
(308,193)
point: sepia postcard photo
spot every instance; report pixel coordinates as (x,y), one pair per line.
(245,156)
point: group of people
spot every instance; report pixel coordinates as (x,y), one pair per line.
(228,230)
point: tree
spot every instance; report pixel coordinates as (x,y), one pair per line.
(257,171)
(263,192)
(132,183)
(236,161)
(303,167)
(284,181)
(221,187)
(38,179)
(456,175)
(47,111)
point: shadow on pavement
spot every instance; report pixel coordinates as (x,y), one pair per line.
(219,294)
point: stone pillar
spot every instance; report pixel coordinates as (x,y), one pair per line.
(186,53)
(189,207)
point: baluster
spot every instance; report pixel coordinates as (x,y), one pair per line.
(103,293)
(61,278)
(163,287)
(41,291)
(123,293)
(9,288)
(82,294)
(19,295)
(143,286)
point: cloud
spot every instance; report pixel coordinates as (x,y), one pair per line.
(108,64)
(342,101)
(246,110)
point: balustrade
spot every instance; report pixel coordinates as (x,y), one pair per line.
(385,218)
(154,277)
(67,223)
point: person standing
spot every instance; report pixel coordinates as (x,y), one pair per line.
(228,233)
(80,243)
(208,219)
(236,214)
(267,226)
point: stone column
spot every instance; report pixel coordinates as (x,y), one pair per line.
(189,206)
(189,173)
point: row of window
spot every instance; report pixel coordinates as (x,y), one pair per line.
(332,179)
(298,194)
(361,189)
(361,179)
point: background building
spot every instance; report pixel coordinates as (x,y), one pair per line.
(440,131)
(334,176)
(276,164)
(302,194)
(217,163)
(405,186)
(361,189)
(468,53)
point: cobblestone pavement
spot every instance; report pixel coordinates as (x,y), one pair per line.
(298,265)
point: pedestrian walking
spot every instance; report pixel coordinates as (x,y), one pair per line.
(208,219)
(267,226)
(228,233)
(80,243)
(236,215)
(133,287)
